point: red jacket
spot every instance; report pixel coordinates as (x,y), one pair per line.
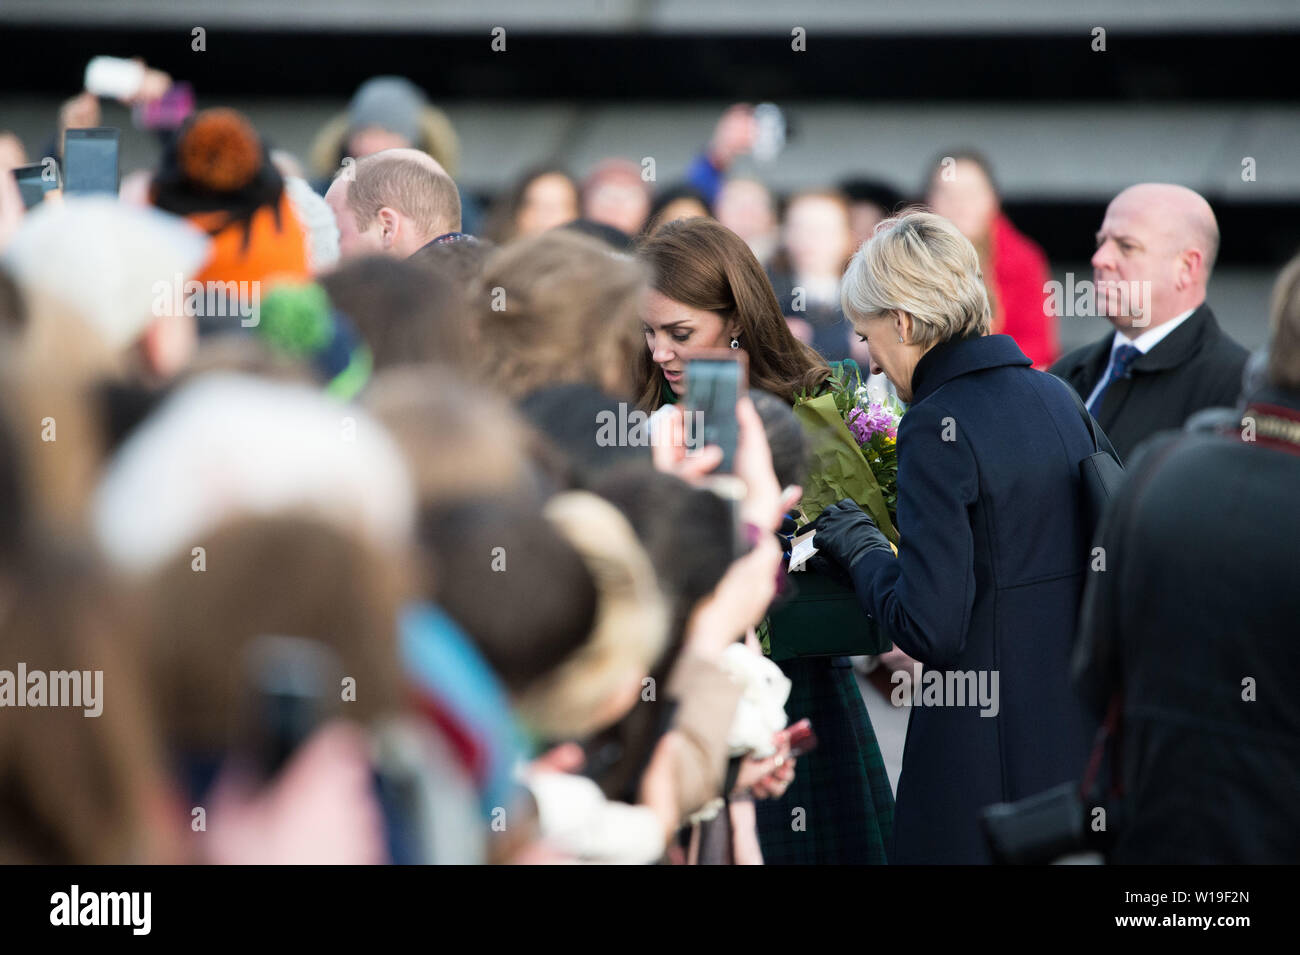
(1019,276)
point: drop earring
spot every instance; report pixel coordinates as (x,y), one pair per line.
(735,342)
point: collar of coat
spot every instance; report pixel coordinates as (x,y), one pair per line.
(961,356)
(1170,352)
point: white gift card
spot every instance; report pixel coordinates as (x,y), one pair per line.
(803,548)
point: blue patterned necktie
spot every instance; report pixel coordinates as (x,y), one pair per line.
(1124,357)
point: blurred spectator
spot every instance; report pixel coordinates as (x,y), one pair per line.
(1167,357)
(870,201)
(218,175)
(386,112)
(540,199)
(406,314)
(395,203)
(294,784)
(961,189)
(747,208)
(228,446)
(676,202)
(733,137)
(132,266)
(558,308)
(614,194)
(816,246)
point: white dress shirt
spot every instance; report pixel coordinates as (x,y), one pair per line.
(1143,343)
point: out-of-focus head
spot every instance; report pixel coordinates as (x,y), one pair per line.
(962,190)
(677,202)
(543,199)
(595,686)
(615,194)
(122,269)
(384,114)
(817,234)
(1284,330)
(915,284)
(706,289)
(405,313)
(1155,250)
(746,207)
(393,203)
(229,446)
(441,421)
(870,201)
(558,308)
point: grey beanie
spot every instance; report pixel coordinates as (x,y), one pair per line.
(393,103)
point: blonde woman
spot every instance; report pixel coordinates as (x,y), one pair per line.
(986,585)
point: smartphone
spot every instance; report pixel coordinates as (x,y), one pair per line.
(90,160)
(715,380)
(802,738)
(770,134)
(33,183)
(294,687)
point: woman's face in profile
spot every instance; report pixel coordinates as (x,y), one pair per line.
(673,330)
(887,355)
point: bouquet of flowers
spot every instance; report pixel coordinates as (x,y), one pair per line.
(853,453)
(853,448)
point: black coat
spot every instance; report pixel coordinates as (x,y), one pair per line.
(1196,366)
(989,575)
(1198,595)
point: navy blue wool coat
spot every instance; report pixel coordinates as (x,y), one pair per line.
(988,577)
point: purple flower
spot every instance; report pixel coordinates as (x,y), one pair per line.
(874,419)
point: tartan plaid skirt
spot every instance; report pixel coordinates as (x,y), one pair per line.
(841,786)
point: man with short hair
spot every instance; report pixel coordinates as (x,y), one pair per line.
(1167,357)
(394,202)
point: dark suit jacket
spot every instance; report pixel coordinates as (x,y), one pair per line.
(988,578)
(1197,366)
(1199,593)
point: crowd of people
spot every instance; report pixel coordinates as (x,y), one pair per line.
(306,466)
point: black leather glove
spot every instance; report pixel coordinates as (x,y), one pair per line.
(847,533)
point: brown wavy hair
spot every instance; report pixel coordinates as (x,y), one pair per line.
(707,266)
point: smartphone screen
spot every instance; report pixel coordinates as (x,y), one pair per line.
(714,383)
(32,184)
(90,160)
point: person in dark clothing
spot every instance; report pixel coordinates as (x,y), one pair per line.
(1167,357)
(984,591)
(1193,624)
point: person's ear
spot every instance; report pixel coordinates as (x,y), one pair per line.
(389,222)
(903,326)
(1189,265)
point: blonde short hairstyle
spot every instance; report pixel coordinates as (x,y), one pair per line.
(920,264)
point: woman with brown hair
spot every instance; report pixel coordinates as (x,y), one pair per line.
(707,290)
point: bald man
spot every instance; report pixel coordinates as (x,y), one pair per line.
(394,202)
(1167,357)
